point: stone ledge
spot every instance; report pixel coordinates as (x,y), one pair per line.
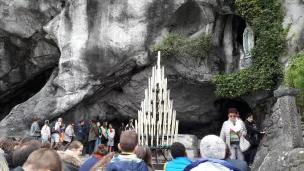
(286,92)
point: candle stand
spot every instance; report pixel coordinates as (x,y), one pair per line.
(156,125)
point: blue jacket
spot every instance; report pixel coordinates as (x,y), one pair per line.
(178,164)
(87,165)
(219,163)
(80,133)
(126,163)
(238,163)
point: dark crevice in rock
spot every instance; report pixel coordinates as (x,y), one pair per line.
(158,14)
(186,20)
(63,4)
(26,57)
(24,92)
(238,26)
(222,106)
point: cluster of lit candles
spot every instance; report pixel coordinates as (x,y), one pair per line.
(157,125)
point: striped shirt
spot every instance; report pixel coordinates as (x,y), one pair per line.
(234,138)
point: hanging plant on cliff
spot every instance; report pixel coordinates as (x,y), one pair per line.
(265,18)
(176,44)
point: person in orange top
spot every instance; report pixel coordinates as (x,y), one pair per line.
(62,128)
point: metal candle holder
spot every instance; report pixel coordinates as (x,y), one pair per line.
(157,126)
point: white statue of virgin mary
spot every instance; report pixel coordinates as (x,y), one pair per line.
(248,44)
(248,40)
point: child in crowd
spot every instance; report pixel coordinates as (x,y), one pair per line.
(111,135)
(127,160)
(101,151)
(103,163)
(180,160)
(145,154)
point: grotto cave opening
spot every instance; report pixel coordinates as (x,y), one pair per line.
(22,93)
(186,20)
(222,106)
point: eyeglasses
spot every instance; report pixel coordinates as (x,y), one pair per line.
(232,116)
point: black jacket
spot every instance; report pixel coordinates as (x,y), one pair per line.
(252,133)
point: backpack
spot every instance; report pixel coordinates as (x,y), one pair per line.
(52,126)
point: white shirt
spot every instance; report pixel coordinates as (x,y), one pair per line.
(45,131)
(57,125)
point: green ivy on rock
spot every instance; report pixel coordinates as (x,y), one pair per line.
(294,77)
(266,18)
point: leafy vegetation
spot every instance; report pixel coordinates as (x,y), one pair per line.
(176,44)
(265,18)
(294,77)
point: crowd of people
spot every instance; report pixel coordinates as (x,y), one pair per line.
(91,134)
(56,148)
(234,130)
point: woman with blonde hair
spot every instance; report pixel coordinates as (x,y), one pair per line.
(103,163)
(144,153)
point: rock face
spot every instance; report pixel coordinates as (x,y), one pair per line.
(191,144)
(282,146)
(106,51)
(24,51)
(294,18)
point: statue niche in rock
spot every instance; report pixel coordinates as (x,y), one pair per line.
(248,44)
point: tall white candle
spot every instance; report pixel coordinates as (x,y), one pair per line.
(142,128)
(136,127)
(139,128)
(147,131)
(153,78)
(157,130)
(176,131)
(149,122)
(138,116)
(163,74)
(158,59)
(154,112)
(169,120)
(164,128)
(160,117)
(149,95)
(151,135)
(173,128)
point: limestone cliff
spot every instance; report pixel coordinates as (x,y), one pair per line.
(105,53)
